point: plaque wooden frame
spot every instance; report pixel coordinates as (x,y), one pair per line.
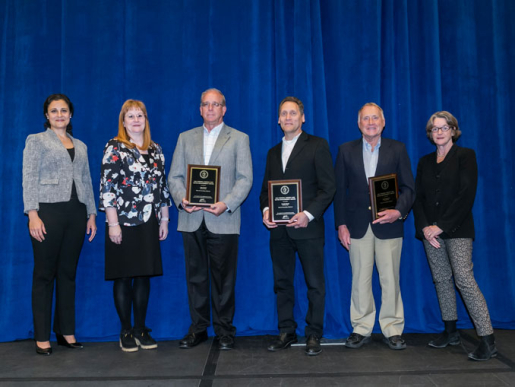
(273,213)
(200,196)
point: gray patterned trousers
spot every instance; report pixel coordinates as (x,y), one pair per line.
(454,257)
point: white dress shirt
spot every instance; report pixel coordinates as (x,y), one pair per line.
(210,138)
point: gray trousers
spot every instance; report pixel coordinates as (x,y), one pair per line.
(454,258)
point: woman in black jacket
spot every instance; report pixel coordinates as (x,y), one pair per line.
(446,187)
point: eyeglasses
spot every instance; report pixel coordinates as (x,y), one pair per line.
(214,104)
(445,128)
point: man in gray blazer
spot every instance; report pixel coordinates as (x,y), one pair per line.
(210,234)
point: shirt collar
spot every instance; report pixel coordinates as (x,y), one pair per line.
(368,148)
(215,131)
(293,140)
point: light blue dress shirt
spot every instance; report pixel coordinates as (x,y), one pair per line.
(370,158)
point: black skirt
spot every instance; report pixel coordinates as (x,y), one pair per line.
(138,255)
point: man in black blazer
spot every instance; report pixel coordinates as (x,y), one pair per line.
(368,241)
(306,157)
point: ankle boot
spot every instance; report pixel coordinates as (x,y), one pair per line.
(485,350)
(449,336)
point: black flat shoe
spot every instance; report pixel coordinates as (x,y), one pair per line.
(62,341)
(445,339)
(486,349)
(43,351)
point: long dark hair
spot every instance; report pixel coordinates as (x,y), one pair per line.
(58,97)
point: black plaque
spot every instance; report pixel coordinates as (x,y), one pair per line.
(384,193)
(203,185)
(284,200)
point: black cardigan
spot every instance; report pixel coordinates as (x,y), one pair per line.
(445,193)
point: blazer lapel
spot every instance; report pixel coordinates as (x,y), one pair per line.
(384,161)
(299,145)
(198,148)
(276,156)
(357,155)
(223,137)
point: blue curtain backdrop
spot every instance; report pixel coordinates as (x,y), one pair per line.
(411,57)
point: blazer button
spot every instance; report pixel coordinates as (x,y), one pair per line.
(370,208)
(437,204)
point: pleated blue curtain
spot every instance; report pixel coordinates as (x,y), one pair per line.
(411,57)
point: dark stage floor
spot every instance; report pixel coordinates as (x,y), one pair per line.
(250,364)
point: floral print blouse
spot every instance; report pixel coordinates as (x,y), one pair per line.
(130,185)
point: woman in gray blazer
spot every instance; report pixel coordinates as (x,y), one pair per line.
(58,199)
(446,188)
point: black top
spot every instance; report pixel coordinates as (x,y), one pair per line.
(147,159)
(74,195)
(446,193)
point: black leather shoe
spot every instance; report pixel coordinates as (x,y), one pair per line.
(283,341)
(62,341)
(226,343)
(486,349)
(192,340)
(313,347)
(395,342)
(355,340)
(43,351)
(445,339)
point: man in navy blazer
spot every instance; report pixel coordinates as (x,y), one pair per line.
(379,240)
(306,157)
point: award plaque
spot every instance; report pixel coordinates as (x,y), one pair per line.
(284,200)
(383,193)
(203,185)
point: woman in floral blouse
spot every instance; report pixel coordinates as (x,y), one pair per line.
(134,194)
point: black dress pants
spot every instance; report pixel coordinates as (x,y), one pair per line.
(211,255)
(55,259)
(311,256)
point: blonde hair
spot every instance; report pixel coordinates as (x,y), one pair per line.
(123,136)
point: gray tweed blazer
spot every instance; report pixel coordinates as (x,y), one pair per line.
(232,154)
(48,172)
